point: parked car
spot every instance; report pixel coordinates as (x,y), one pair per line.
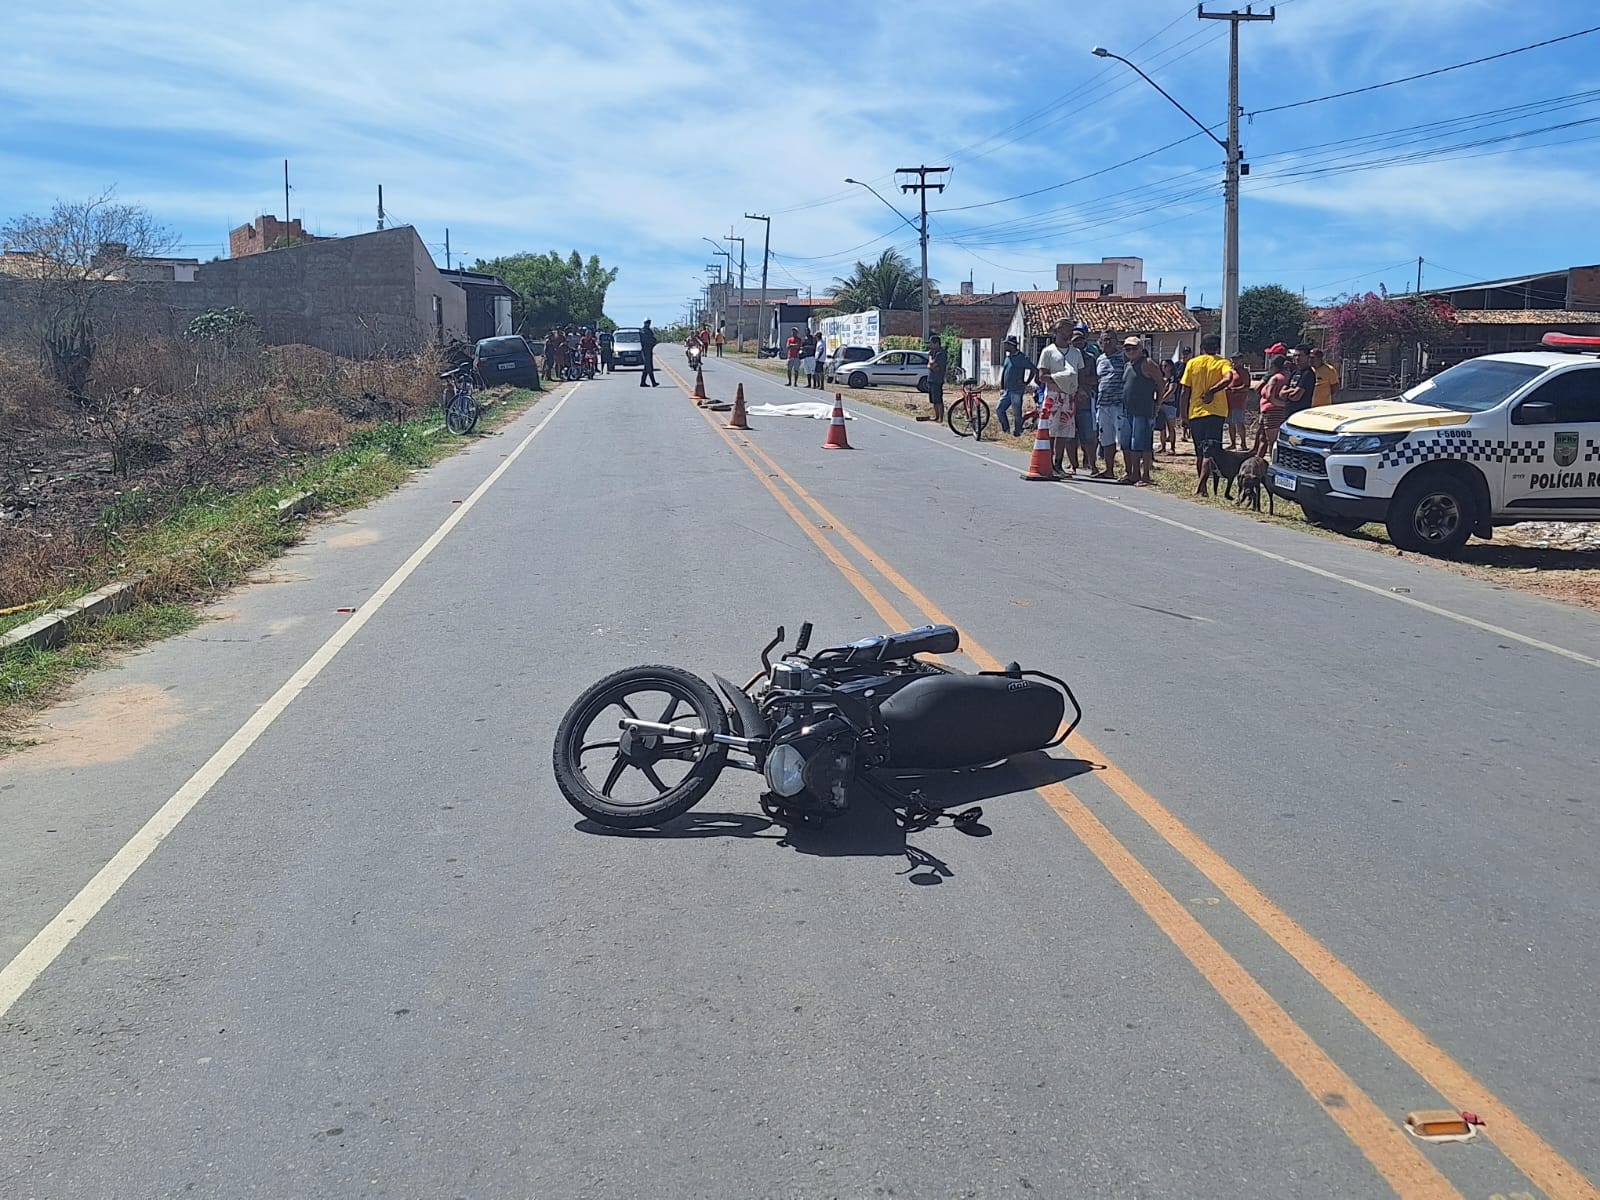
(846,356)
(905,368)
(505,360)
(627,349)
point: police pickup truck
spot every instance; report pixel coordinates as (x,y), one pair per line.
(1496,440)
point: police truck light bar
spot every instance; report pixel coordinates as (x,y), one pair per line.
(1572,343)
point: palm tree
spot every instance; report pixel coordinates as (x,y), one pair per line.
(891,282)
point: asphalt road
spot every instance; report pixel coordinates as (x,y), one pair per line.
(1325,854)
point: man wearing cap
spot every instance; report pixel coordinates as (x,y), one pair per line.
(1143,386)
(1016,372)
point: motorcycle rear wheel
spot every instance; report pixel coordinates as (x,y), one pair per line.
(651,798)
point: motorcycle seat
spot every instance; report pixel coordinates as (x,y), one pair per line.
(891,647)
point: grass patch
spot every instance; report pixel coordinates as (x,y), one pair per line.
(210,542)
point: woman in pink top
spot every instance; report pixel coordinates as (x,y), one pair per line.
(1273,408)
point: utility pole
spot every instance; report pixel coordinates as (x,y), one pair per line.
(1230,233)
(922,187)
(738,321)
(766,250)
(1419,272)
(446,249)
(286,197)
(380,206)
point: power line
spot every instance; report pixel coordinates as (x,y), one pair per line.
(1425,74)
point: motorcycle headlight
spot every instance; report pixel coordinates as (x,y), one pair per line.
(785,770)
(1367,443)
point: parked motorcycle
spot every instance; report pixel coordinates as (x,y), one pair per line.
(645,745)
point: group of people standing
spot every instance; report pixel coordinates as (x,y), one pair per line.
(806,357)
(1112,395)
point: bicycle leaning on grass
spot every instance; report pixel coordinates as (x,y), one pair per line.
(461,409)
(969,414)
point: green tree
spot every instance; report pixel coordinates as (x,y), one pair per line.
(891,282)
(552,290)
(1270,313)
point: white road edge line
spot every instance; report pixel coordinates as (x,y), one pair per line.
(17,976)
(1447,614)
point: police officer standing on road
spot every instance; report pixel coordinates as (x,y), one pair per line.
(647,343)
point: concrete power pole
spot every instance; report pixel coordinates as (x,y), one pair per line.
(738,321)
(922,187)
(1230,233)
(766,250)
(380,206)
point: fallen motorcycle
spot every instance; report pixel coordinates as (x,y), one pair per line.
(645,745)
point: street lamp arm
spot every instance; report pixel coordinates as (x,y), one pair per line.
(886,204)
(1102,52)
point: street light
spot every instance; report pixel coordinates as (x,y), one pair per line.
(922,234)
(1230,190)
(728,254)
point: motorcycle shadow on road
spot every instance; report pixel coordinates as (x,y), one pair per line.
(870,829)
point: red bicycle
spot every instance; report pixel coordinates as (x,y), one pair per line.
(969,414)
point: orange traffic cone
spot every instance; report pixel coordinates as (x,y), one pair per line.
(836,435)
(699,384)
(738,421)
(1042,464)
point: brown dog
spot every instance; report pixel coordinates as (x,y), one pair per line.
(1222,463)
(1252,481)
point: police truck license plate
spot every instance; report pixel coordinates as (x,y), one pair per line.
(507,366)
(1287,482)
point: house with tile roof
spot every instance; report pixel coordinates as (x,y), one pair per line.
(1160,318)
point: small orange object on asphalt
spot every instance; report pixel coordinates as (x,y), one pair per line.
(699,384)
(836,435)
(738,420)
(1042,464)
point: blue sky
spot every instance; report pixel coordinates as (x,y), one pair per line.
(632,129)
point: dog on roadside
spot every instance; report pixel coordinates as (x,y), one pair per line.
(1252,480)
(1218,464)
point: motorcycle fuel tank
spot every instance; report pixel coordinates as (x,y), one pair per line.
(947,721)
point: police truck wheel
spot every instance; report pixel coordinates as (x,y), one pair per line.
(1432,515)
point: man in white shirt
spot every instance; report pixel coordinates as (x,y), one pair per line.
(819,371)
(1060,375)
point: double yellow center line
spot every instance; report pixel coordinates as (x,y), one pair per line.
(1391,1151)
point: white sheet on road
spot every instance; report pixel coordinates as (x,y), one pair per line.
(812,408)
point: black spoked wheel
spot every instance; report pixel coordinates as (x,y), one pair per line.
(968,422)
(460,413)
(627,779)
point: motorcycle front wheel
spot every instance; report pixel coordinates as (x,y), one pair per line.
(628,780)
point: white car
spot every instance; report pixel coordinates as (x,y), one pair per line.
(1496,440)
(906,368)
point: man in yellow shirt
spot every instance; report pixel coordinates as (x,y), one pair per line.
(1328,381)
(1204,388)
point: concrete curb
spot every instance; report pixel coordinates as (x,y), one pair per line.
(296,506)
(51,629)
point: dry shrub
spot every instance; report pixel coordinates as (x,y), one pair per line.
(302,428)
(32,565)
(28,396)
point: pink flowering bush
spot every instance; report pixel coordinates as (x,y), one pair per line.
(1377,318)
